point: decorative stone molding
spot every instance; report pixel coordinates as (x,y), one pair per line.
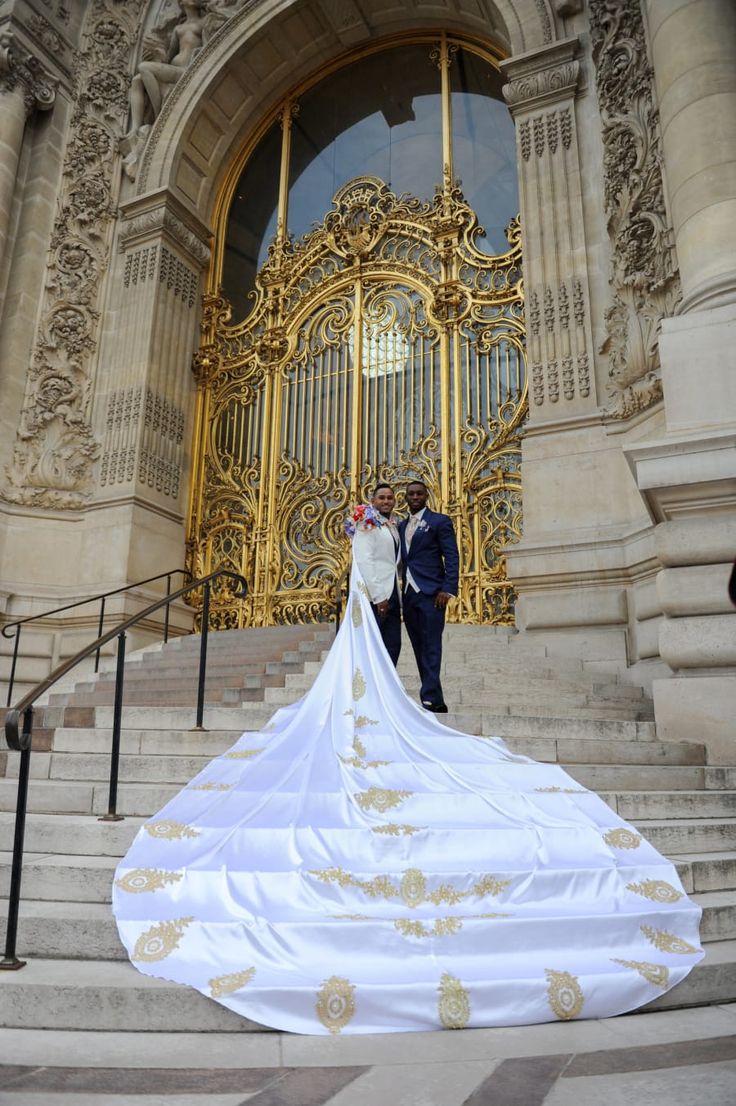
(643,274)
(55,448)
(143,439)
(542,78)
(20,69)
(161,220)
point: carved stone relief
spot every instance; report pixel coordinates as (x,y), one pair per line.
(55,449)
(176,39)
(20,69)
(643,275)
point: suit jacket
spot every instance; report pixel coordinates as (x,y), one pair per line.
(376,555)
(433,556)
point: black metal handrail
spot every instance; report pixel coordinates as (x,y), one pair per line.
(19,623)
(20,738)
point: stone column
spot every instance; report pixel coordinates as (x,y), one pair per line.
(688,476)
(693,46)
(24,86)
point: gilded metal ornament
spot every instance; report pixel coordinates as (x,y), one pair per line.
(383,345)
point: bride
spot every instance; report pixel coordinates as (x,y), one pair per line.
(358,867)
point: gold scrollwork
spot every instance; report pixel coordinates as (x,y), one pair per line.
(384,344)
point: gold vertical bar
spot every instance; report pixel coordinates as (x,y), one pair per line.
(320,385)
(288,112)
(355,429)
(301,399)
(344,371)
(448,166)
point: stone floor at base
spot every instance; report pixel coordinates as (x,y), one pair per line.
(669,1058)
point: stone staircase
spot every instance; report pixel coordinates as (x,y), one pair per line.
(551,708)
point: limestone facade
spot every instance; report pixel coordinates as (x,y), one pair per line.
(625,114)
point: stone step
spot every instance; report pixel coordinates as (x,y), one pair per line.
(179,769)
(633,805)
(254,717)
(79,878)
(708,871)
(70,835)
(60,930)
(677,837)
(112,996)
(214,742)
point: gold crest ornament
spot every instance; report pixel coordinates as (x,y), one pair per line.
(160,940)
(336,1003)
(454,1003)
(564,994)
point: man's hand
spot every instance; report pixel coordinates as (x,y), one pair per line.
(442,598)
(382,608)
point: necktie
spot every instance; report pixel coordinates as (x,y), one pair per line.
(410,528)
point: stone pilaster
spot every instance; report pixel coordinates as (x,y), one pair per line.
(25,86)
(540,92)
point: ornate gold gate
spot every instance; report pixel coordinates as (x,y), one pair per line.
(384,344)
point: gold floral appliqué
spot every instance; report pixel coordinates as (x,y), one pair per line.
(657,974)
(359,685)
(394,829)
(622,839)
(139,880)
(169,831)
(335,1004)
(668,942)
(356,613)
(227,984)
(454,1003)
(380,798)
(656,890)
(564,994)
(243,754)
(160,940)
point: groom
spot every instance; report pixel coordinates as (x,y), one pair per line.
(431,566)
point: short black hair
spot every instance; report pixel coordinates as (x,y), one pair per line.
(378,487)
(420,483)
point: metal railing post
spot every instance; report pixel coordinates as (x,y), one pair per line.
(117,712)
(99,632)
(10,961)
(203,656)
(167,608)
(12,666)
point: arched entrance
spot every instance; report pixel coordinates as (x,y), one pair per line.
(384,342)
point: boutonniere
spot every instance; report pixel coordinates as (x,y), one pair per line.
(421,525)
(363,517)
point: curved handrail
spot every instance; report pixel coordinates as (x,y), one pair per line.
(14,738)
(91,599)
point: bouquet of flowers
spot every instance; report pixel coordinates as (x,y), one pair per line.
(364,517)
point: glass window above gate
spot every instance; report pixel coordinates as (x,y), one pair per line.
(379,115)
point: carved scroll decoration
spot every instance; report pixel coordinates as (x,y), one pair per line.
(56,449)
(644,274)
(20,69)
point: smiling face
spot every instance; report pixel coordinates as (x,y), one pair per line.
(416,497)
(384,501)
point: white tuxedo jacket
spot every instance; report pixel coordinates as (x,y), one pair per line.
(377,555)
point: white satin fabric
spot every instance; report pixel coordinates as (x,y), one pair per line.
(357,867)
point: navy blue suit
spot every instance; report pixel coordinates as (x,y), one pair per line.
(434,563)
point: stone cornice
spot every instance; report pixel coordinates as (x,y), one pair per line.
(161,213)
(541,77)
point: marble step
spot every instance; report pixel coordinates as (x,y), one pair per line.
(180,769)
(70,835)
(112,996)
(75,878)
(58,930)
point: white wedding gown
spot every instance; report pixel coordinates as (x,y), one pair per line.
(357,867)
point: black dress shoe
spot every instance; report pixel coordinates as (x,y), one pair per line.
(436,708)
